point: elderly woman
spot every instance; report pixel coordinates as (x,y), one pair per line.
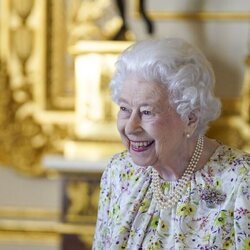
(173,188)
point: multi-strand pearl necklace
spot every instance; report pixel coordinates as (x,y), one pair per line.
(167,201)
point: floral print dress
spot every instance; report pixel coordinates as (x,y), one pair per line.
(214,212)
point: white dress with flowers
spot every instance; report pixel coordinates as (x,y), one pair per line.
(214,213)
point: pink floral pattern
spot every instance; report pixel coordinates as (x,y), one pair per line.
(214,213)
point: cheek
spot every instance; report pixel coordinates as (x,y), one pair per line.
(120,125)
(159,128)
(121,130)
(124,140)
(164,134)
(169,126)
(168,134)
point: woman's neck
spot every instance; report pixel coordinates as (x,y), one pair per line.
(174,168)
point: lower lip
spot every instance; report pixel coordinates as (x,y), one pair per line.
(138,150)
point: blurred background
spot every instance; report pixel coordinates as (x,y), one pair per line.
(57,121)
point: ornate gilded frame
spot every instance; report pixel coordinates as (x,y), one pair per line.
(37,108)
(37,98)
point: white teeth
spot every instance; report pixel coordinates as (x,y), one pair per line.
(140,144)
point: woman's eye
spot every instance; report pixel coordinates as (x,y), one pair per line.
(123,109)
(146,112)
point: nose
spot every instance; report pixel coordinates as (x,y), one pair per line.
(133,124)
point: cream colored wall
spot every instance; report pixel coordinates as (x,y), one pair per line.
(27,192)
(225,43)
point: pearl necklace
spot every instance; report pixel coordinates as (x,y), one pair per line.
(167,201)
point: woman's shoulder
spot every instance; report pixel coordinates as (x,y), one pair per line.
(233,155)
(120,157)
(122,168)
(231,159)
(119,162)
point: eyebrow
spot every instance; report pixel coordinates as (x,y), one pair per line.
(121,99)
(141,104)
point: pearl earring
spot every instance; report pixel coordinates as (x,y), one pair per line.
(188,135)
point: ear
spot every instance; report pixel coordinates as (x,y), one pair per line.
(192,121)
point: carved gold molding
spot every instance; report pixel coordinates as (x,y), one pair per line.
(24,140)
(45,226)
(36,115)
(29,213)
(29,127)
(31,237)
(232,128)
(41,230)
(82,196)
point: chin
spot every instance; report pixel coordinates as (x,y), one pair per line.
(140,162)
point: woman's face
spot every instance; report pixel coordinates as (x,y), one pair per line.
(149,127)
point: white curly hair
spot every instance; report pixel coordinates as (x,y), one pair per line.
(182,68)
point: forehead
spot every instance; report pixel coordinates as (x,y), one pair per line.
(136,90)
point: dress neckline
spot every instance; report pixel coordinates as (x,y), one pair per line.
(212,158)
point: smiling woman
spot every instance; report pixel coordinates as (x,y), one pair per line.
(163,192)
(147,123)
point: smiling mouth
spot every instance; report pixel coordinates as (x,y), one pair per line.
(139,146)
